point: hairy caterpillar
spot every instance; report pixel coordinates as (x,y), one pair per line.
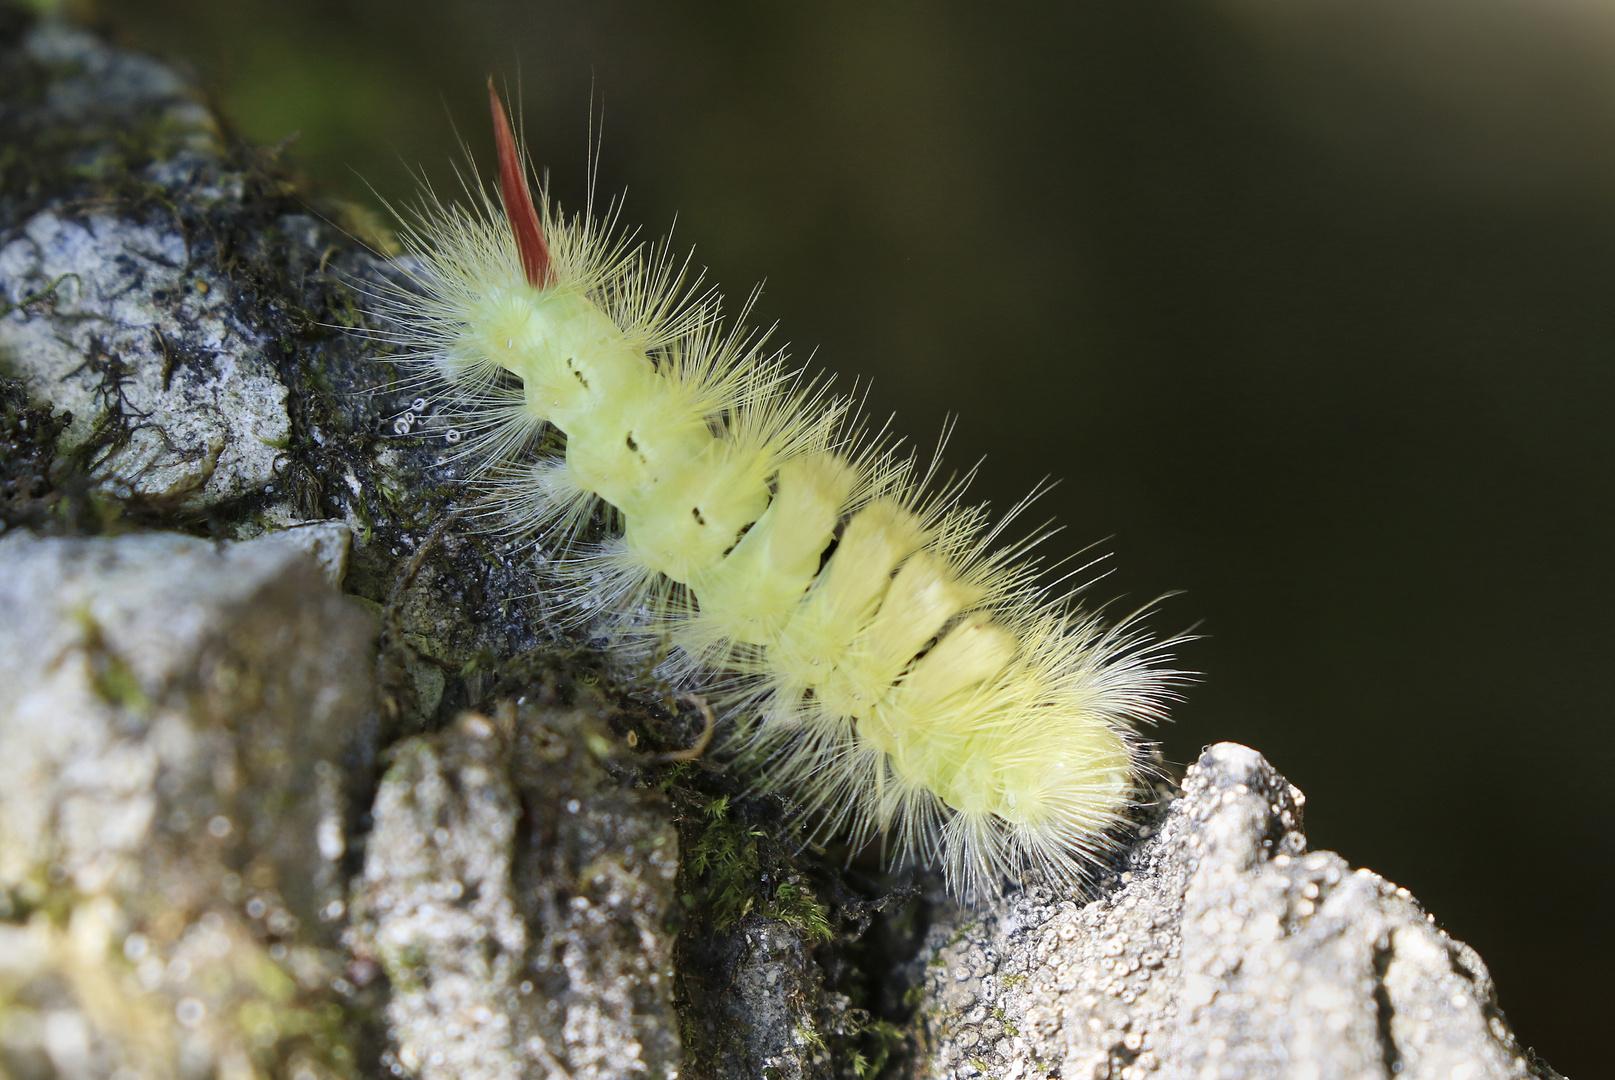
(878,658)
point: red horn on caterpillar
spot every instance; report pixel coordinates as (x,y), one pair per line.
(518,199)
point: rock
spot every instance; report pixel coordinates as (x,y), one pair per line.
(178,718)
(518,897)
(326,542)
(113,317)
(760,1006)
(1226,950)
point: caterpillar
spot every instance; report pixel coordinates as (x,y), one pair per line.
(877,658)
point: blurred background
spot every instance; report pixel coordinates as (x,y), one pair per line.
(1308,303)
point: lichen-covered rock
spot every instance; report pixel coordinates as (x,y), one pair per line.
(110,316)
(326,542)
(177,718)
(518,896)
(1225,952)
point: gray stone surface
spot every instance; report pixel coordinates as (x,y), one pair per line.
(176,719)
(326,542)
(113,317)
(759,1005)
(1226,951)
(518,897)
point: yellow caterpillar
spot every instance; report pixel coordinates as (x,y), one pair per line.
(879,659)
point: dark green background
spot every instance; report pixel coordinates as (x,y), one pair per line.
(1308,303)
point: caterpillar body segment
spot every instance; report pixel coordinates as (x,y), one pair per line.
(879,659)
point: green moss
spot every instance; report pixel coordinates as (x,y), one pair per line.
(678,774)
(878,1040)
(483,659)
(725,860)
(47,293)
(796,905)
(809,1035)
(724,857)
